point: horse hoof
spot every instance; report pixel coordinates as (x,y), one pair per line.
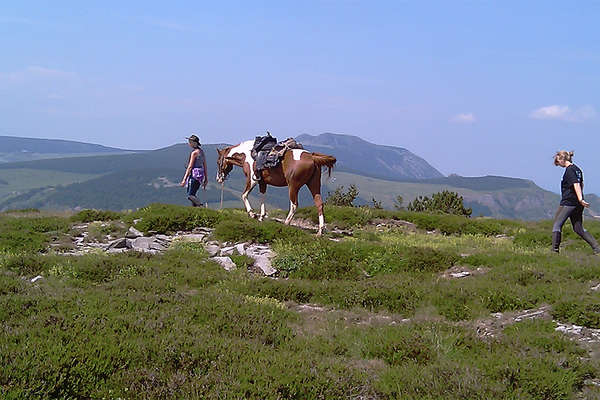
(251,215)
(260,219)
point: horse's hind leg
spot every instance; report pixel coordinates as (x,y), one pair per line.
(293,190)
(314,185)
(263,195)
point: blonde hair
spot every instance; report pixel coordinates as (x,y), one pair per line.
(563,155)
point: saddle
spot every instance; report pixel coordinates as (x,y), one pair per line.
(268,153)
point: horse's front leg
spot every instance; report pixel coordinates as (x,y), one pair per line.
(293,191)
(249,186)
(263,192)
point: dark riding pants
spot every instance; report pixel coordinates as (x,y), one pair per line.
(575,214)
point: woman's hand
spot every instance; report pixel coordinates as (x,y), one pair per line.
(182,184)
(584,203)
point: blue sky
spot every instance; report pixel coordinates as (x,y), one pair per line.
(473,87)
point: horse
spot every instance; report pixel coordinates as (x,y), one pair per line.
(297,168)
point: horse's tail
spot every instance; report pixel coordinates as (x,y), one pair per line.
(323,160)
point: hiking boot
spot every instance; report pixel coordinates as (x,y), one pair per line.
(195,201)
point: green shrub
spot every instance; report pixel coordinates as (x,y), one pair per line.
(533,239)
(241,229)
(29,234)
(584,313)
(445,202)
(164,218)
(86,216)
(341,198)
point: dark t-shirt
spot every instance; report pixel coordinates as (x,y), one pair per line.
(572,175)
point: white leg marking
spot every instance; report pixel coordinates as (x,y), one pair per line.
(245,198)
(291,213)
(263,211)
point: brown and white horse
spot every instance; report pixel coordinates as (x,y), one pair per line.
(298,168)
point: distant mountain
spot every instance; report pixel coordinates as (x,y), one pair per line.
(359,156)
(14,149)
(128,181)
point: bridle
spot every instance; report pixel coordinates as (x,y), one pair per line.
(221,165)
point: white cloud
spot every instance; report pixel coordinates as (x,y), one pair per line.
(564,113)
(36,72)
(466,118)
(168,24)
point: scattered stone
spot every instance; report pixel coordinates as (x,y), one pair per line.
(142,243)
(463,255)
(212,249)
(264,264)
(117,244)
(157,246)
(164,238)
(225,262)
(133,233)
(227,251)
(595,288)
(192,237)
(240,248)
(460,274)
(459,271)
(116,251)
(37,278)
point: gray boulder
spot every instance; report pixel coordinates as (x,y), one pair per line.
(133,233)
(225,262)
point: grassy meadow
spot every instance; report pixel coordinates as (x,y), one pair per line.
(367,316)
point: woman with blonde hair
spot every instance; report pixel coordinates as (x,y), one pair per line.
(572,202)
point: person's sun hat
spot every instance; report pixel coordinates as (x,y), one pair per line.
(193,138)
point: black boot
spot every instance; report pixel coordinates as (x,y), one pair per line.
(556,236)
(591,241)
(195,201)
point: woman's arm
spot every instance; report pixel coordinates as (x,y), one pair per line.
(188,171)
(579,193)
(205,172)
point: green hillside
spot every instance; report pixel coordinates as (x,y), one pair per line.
(16,149)
(128,181)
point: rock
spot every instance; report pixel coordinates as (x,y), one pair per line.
(157,246)
(259,250)
(460,274)
(133,233)
(117,244)
(212,249)
(595,288)
(240,248)
(264,264)
(192,237)
(227,251)
(201,229)
(114,251)
(164,238)
(37,278)
(142,243)
(225,262)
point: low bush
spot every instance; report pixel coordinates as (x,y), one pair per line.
(29,234)
(324,259)
(237,228)
(585,313)
(86,216)
(165,218)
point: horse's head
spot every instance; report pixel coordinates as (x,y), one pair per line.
(225,163)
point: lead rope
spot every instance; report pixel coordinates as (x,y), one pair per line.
(222,188)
